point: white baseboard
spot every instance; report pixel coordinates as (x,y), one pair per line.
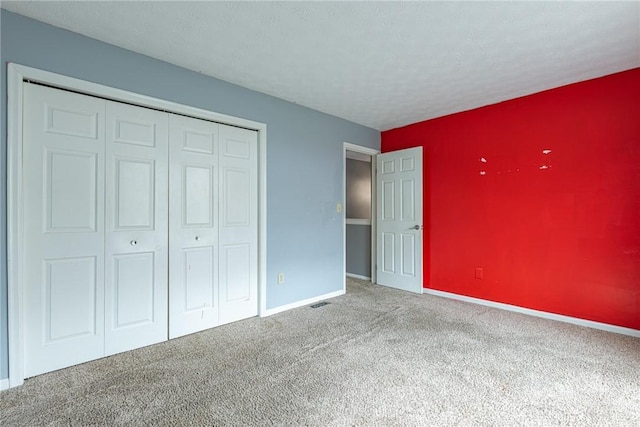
(357,276)
(4,384)
(537,313)
(272,311)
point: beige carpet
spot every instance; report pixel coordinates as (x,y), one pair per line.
(374,357)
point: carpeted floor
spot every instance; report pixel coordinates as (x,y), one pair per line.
(373,357)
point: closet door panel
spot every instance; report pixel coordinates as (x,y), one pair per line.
(136,227)
(193,229)
(63,262)
(238,224)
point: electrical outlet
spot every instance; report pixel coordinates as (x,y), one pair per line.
(280,278)
(339,208)
(480,273)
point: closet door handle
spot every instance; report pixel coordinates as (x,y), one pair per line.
(197,237)
(134,242)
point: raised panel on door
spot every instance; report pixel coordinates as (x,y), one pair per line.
(388,201)
(388,254)
(70,172)
(63,259)
(408,254)
(407,199)
(136,276)
(237,265)
(197,271)
(399,219)
(197,195)
(69,282)
(199,296)
(193,228)
(134,198)
(238,224)
(133,283)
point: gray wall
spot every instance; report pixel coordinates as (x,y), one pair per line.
(358,189)
(358,201)
(359,250)
(304,151)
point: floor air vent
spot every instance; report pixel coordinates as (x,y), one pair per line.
(320,304)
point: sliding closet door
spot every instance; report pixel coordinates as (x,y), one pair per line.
(136,241)
(63,263)
(238,224)
(193,229)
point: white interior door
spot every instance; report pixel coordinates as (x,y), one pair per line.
(238,223)
(136,244)
(193,208)
(399,219)
(63,188)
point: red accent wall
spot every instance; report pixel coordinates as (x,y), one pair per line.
(558,232)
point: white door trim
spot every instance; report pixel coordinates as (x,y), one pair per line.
(15,77)
(347,146)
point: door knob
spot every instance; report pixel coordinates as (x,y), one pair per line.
(415,227)
(134,242)
(197,237)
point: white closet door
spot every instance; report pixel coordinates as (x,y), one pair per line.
(238,224)
(63,263)
(193,229)
(138,225)
(136,244)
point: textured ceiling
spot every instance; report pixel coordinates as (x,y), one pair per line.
(380,64)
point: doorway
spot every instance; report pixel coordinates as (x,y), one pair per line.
(391,198)
(359,202)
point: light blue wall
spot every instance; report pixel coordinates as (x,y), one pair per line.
(304,151)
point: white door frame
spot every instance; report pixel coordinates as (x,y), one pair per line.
(16,75)
(347,146)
